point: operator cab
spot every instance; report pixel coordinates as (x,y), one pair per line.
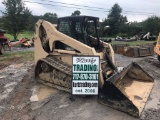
(81,28)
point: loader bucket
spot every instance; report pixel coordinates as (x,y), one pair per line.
(120,48)
(127,90)
(139,51)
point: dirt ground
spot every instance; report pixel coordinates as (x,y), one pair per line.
(21,98)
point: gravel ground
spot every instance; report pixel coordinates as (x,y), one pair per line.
(18,100)
(16,49)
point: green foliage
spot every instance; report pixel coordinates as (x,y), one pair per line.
(26,34)
(15,17)
(118,24)
(1,24)
(50,17)
(102,29)
(132,28)
(76,13)
(115,20)
(152,24)
(32,22)
(9,36)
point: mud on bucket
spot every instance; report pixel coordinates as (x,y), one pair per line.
(127,90)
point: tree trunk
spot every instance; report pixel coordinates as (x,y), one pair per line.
(15,36)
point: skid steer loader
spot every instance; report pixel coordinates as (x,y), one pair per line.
(126,90)
(157,48)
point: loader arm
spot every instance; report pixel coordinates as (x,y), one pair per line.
(53,35)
